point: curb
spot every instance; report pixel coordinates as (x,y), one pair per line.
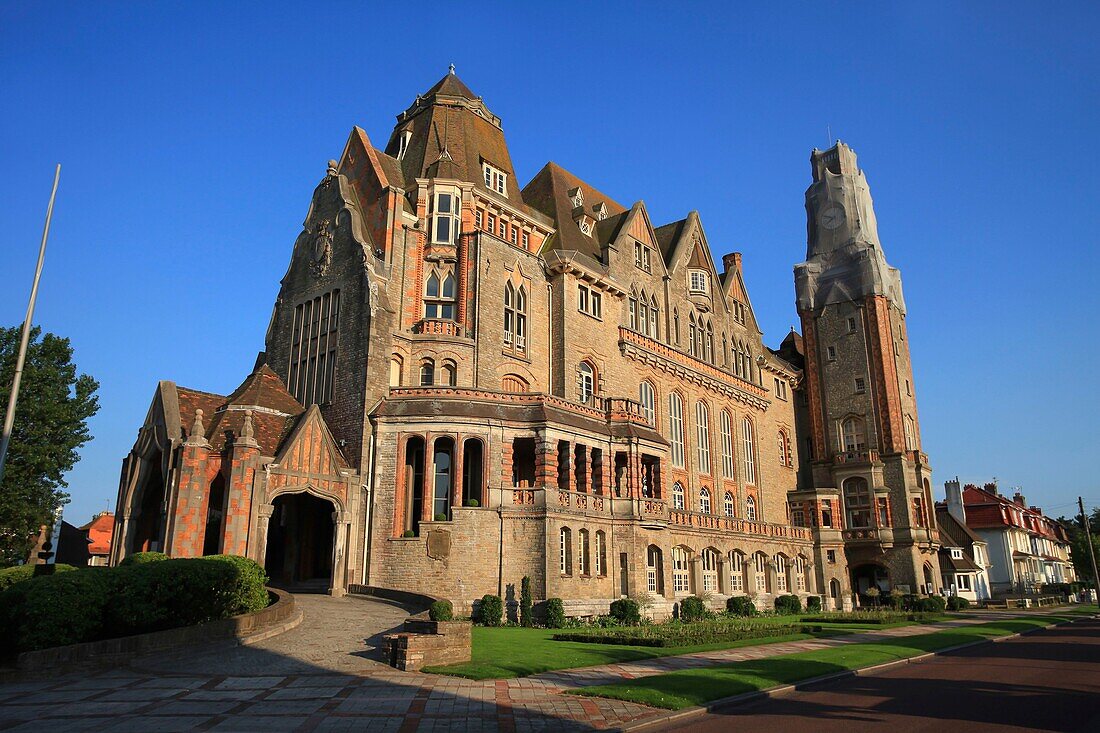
(681,716)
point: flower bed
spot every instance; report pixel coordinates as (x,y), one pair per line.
(871,617)
(689,634)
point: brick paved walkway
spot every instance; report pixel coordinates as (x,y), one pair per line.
(323,676)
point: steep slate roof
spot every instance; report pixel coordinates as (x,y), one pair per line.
(667,236)
(548,192)
(954,531)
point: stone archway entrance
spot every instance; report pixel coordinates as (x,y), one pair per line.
(870,575)
(300,537)
(147,510)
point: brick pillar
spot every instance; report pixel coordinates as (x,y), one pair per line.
(634,474)
(427,495)
(456,474)
(401,479)
(570,472)
(546,463)
(582,470)
(189,527)
(243,460)
(506,464)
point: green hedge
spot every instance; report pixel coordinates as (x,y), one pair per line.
(957,603)
(555,613)
(626,612)
(788,605)
(140,558)
(693,608)
(683,634)
(441,611)
(526,603)
(19,573)
(490,610)
(740,606)
(813,604)
(93,604)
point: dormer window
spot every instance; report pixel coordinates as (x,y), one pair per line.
(642,255)
(586,226)
(403,144)
(601,211)
(495,179)
(698,282)
(445,216)
(576,197)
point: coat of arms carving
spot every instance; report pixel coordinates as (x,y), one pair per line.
(321,247)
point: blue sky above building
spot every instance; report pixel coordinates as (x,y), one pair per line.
(192,135)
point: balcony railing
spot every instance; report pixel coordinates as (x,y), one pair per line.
(440,327)
(720,522)
(857,456)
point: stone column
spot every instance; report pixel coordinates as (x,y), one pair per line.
(189,529)
(243,458)
(456,473)
(263,523)
(427,491)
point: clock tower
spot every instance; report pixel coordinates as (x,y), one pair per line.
(867,473)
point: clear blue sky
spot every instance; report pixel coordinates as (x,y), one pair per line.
(192,134)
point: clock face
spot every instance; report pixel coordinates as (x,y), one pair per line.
(832,217)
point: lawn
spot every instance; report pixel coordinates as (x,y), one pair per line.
(505,652)
(678,690)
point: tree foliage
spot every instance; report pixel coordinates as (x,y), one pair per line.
(51,424)
(1078,545)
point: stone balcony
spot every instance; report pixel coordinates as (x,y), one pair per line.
(856,457)
(869,535)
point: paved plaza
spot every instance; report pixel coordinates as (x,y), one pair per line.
(327,674)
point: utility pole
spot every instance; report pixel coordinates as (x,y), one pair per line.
(1092,550)
(9,416)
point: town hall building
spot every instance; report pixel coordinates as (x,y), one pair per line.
(467,381)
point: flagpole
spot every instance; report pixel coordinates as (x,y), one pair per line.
(9,416)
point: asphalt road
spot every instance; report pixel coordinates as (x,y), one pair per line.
(1049,680)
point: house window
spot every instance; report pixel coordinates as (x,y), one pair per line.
(760,561)
(681,574)
(676,429)
(445,216)
(800,573)
(962,582)
(830,556)
(450,373)
(851,325)
(439,296)
(737,572)
(697,282)
(784,450)
(918,513)
(780,388)
(648,398)
(313,349)
(727,444)
(710,570)
(852,435)
(727,504)
(642,257)
(492,224)
(750,509)
(780,574)
(427,373)
(586,381)
(403,144)
(600,555)
(566,553)
(582,553)
(702,427)
(956,553)
(749,451)
(831,352)
(704,500)
(653,570)
(515,318)
(502,228)
(910,443)
(495,179)
(588,301)
(827,513)
(861,385)
(514,234)
(798,516)
(526,240)
(678,496)
(479,218)
(397,370)
(857,498)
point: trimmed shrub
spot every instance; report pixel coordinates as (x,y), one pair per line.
(408,533)
(925,604)
(526,618)
(626,612)
(693,608)
(711,631)
(813,604)
(140,558)
(555,614)
(788,605)
(740,606)
(473,503)
(19,573)
(441,611)
(955,603)
(490,610)
(441,517)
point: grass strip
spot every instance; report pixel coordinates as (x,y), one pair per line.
(683,689)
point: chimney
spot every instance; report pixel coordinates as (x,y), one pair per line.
(991,487)
(732,262)
(1018,499)
(955,505)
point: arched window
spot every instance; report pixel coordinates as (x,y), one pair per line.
(910,434)
(449,373)
(760,567)
(514,383)
(586,382)
(397,371)
(583,566)
(600,556)
(693,336)
(708,345)
(857,500)
(853,437)
(654,320)
(727,504)
(648,397)
(748,450)
(834,588)
(676,325)
(750,509)
(676,428)
(727,444)
(710,570)
(472,469)
(704,500)
(780,574)
(800,573)
(441,497)
(439,296)
(515,318)
(681,570)
(784,449)
(702,430)
(427,373)
(677,495)
(566,551)
(654,570)
(737,572)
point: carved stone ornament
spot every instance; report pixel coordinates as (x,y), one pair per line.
(321,247)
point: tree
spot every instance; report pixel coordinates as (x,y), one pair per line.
(1078,546)
(51,423)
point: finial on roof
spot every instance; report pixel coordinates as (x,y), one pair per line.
(331,168)
(197,436)
(247,433)
(451,69)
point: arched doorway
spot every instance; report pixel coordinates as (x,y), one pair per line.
(300,542)
(866,576)
(149,499)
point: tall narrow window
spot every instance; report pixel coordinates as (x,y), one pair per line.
(583,566)
(515,318)
(312,367)
(586,382)
(599,557)
(654,571)
(427,373)
(708,344)
(780,574)
(784,449)
(566,554)
(710,570)
(704,500)
(749,451)
(441,506)
(678,496)
(852,435)
(681,570)
(727,504)
(676,428)
(648,398)
(702,429)
(495,179)
(397,370)
(737,572)
(857,500)
(750,509)
(654,321)
(449,374)
(760,562)
(439,296)
(445,216)
(727,445)
(693,336)
(910,443)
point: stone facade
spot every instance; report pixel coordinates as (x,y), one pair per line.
(527,382)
